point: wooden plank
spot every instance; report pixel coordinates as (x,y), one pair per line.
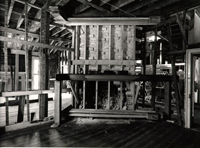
(104,62)
(182,29)
(167,104)
(20,115)
(41,45)
(15,31)
(157,5)
(154,70)
(84,67)
(10,10)
(109,58)
(174,75)
(96,85)
(21,19)
(139,5)
(118,4)
(133,29)
(109,20)
(30,4)
(16,71)
(44,62)
(94,6)
(84,7)
(144,62)
(57,104)
(27,61)
(85,77)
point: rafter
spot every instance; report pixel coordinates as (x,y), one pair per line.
(94,6)
(119,3)
(29,4)
(157,5)
(139,5)
(10,10)
(33,35)
(21,19)
(42,45)
(84,7)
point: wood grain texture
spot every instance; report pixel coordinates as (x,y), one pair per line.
(137,134)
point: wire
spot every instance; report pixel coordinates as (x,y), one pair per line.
(117,8)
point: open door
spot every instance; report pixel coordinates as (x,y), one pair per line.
(192,96)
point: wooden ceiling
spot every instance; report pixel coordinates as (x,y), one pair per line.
(61,35)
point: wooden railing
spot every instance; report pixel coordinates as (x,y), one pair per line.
(121,78)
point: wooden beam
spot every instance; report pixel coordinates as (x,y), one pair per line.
(27,60)
(57,104)
(94,6)
(84,7)
(109,20)
(174,75)
(109,58)
(42,45)
(30,4)
(10,10)
(97,83)
(181,28)
(34,35)
(139,5)
(157,5)
(85,77)
(84,67)
(21,19)
(167,104)
(44,61)
(119,3)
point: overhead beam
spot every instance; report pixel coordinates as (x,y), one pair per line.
(42,45)
(21,19)
(110,20)
(52,23)
(10,10)
(15,31)
(155,6)
(120,3)
(94,6)
(139,5)
(83,77)
(84,7)
(29,4)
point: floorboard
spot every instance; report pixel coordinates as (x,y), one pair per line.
(139,134)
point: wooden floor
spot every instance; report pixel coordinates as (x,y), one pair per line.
(136,135)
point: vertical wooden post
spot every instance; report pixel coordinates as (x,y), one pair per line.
(134,59)
(84,67)
(6,62)
(144,66)
(74,68)
(57,103)
(16,71)
(27,61)
(174,74)
(167,105)
(154,70)
(44,63)
(109,54)
(20,116)
(122,57)
(97,56)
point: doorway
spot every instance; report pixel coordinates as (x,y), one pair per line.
(35,76)
(192,96)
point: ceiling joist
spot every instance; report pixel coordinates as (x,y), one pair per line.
(41,45)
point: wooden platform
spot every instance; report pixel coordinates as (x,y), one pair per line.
(136,134)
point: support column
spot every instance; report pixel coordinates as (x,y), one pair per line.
(44,62)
